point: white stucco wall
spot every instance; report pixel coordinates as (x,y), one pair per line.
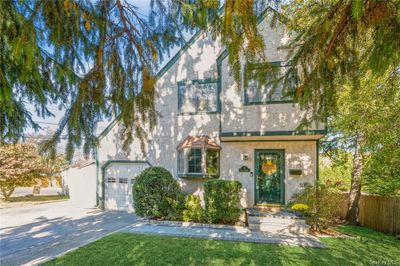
(298,155)
(81,184)
(238,117)
(199,61)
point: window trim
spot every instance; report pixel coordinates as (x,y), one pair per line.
(261,65)
(199,81)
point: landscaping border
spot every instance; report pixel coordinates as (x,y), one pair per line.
(194,225)
(7,205)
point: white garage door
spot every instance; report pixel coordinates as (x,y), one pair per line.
(119,178)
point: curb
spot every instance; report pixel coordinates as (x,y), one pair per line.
(27,203)
(194,225)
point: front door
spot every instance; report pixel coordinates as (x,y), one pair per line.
(269,176)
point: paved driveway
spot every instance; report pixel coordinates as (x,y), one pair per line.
(32,234)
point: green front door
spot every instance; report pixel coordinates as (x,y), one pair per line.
(269,176)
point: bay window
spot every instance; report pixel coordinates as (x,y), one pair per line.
(198,157)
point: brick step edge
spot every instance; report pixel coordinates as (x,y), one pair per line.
(195,225)
(274,216)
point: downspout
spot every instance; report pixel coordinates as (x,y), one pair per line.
(97,176)
(317,172)
(103,170)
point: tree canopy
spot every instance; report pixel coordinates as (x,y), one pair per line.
(20,165)
(99,59)
(340,40)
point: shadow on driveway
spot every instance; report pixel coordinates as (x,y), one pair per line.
(46,237)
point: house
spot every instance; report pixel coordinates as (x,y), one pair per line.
(210,127)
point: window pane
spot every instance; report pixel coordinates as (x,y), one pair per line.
(268,91)
(123,181)
(198,97)
(181,162)
(212,162)
(194,161)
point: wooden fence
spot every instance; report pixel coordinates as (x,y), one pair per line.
(377,212)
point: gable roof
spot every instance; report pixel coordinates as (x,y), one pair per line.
(178,55)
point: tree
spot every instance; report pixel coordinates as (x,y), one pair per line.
(98,59)
(382,172)
(337,44)
(53,166)
(20,165)
(366,123)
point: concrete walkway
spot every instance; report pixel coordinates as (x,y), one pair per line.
(237,234)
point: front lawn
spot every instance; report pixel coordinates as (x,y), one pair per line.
(366,247)
(37,198)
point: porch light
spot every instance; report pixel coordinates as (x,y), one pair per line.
(244,156)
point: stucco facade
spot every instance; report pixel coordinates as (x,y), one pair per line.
(239,128)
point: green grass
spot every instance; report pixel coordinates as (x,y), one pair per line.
(37,198)
(368,247)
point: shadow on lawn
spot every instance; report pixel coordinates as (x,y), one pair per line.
(133,249)
(44,238)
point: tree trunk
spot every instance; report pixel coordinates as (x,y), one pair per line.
(355,189)
(7,194)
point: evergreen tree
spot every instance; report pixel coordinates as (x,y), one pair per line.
(98,59)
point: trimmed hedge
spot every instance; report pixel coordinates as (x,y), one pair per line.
(193,212)
(156,194)
(222,201)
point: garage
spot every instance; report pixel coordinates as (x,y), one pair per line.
(119,177)
(79,183)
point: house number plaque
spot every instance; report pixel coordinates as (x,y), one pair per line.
(244,169)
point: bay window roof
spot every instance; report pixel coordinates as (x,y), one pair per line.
(202,141)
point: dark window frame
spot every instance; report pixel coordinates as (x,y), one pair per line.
(204,170)
(252,66)
(199,81)
(198,158)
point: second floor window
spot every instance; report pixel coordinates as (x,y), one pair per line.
(263,85)
(197,96)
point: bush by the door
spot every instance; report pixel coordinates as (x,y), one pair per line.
(321,205)
(222,201)
(156,194)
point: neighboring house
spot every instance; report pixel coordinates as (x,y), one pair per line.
(211,128)
(79,183)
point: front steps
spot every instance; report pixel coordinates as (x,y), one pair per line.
(275,221)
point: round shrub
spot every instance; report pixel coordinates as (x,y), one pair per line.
(156,194)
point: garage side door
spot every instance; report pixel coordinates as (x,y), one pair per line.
(119,178)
